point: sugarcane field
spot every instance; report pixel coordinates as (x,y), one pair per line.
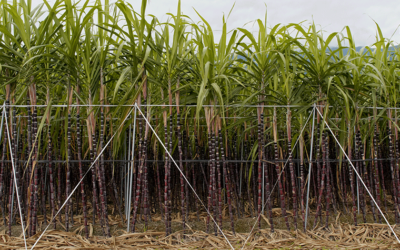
(120,130)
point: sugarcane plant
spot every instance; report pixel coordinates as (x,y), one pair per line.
(223,128)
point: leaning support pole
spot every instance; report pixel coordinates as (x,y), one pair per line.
(359,177)
(2,166)
(131,173)
(15,177)
(309,169)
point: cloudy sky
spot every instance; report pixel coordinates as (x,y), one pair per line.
(329,15)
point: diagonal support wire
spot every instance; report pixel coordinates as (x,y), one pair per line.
(170,156)
(279,176)
(15,178)
(83,177)
(358,175)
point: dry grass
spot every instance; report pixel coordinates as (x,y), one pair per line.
(337,236)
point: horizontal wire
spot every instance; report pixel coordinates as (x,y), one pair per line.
(206,161)
(188,118)
(158,105)
(190,105)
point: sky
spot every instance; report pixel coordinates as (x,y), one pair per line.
(328,15)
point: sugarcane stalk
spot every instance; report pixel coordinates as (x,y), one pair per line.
(214,182)
(235,177)
(361,170)
(145,184)
(187,198)
(59,178)
(43,195)
(260,158)
(195,189)
(166,173)
(370,183)
(375,170)
(35,174)
(291,167)
(78,141)
(383,178)
(219,181)
(51,177)
(169,174)
(182,181)
(103,196)
(227,184)
(95,202)
(68,177)
(393,172)
(210,186)
(328,181)
(253,182)
(318,159)
(278,171)
(302,185)
(268,189)
(157,169)
(352,181)
(322,180)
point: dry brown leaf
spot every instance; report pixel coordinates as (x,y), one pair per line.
(90,230)
(265,219)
